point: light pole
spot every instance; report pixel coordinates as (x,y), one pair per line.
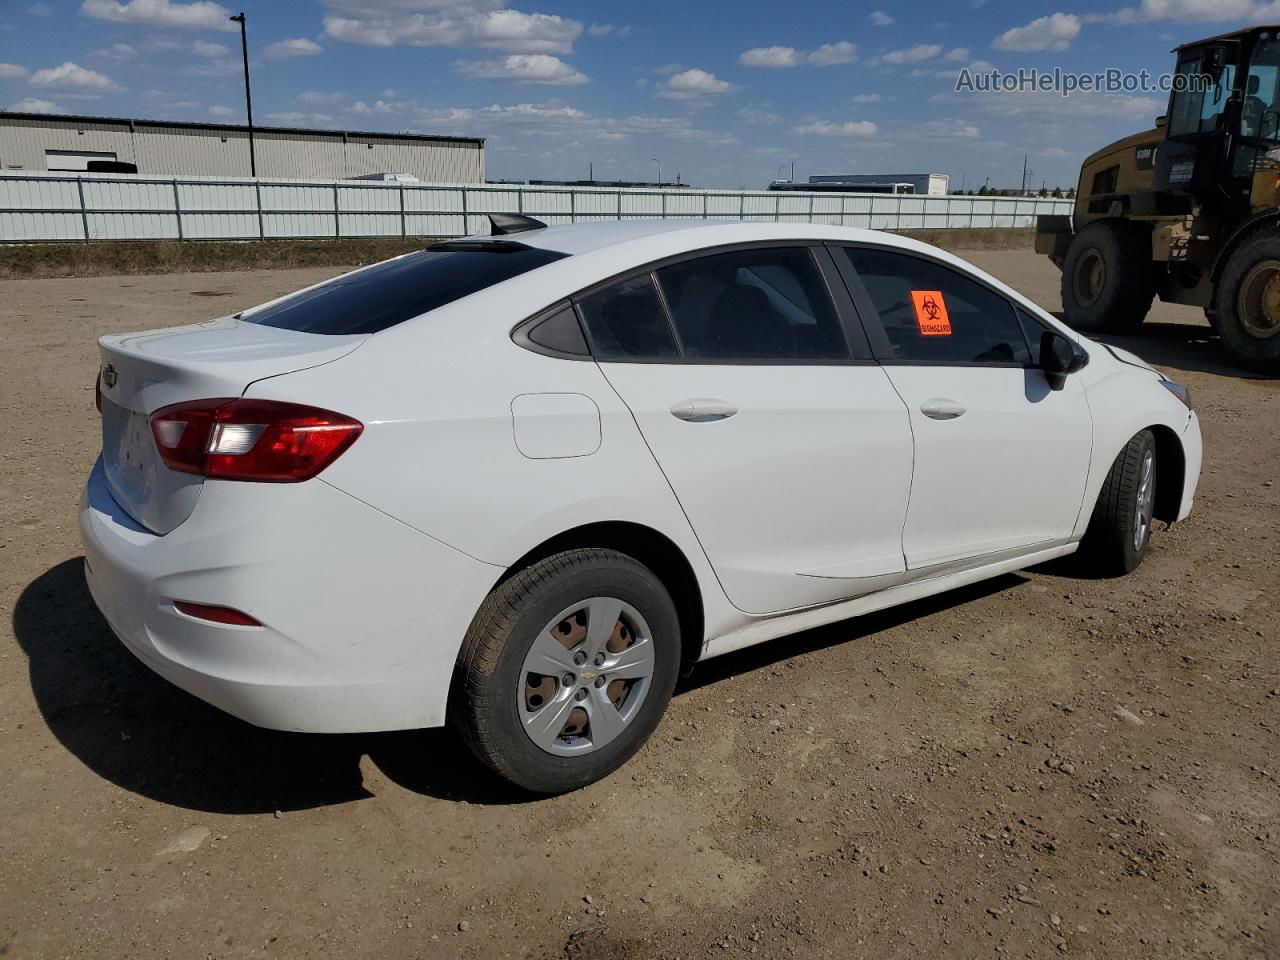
(248,96)
(659,163)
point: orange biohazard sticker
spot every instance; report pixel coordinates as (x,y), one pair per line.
(931,313)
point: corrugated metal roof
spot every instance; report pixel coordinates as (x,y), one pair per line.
(235,127)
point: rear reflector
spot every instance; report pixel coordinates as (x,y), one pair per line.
(204,611)
(263,440)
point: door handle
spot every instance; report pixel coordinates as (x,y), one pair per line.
(942,409)
(702,411)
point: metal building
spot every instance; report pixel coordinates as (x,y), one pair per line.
(926,184)
(39,142)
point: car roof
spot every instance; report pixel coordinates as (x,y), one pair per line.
(685,234)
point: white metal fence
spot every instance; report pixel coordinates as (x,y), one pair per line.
(42,207)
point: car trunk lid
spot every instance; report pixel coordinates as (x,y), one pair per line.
(142,372)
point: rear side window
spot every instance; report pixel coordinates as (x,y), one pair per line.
(390,293)
(754,304)
(626,321)
(933,314)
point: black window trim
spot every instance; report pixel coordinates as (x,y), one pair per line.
(880,345)
(855,336)
(520,335)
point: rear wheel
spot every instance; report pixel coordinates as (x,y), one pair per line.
(1107,282)
(1120,528)
(567,669)
(1248,305)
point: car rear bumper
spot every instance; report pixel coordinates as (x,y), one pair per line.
(362,616)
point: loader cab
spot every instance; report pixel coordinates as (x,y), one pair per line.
(1224,115)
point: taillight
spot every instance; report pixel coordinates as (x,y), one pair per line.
(264,440)
(97,392)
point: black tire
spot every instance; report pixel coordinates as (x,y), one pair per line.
(1240,334)
(1107,279)
(490,669)
(1109,548)
(1211,316)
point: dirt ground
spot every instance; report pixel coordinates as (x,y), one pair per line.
(1038,764)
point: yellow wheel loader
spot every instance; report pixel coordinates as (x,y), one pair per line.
(1188,211)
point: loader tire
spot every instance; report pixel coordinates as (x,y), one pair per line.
(1107,280)
(1247,304)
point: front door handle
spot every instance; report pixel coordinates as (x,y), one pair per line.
(702,411)
(938,409)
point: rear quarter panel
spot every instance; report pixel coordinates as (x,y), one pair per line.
(439,451)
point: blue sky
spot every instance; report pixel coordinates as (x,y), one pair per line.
(723,92)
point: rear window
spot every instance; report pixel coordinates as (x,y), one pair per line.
(401,289)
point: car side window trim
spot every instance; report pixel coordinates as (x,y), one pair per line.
(879,338)
(855,332)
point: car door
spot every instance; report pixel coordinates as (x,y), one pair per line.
(1001,460)
(789,451)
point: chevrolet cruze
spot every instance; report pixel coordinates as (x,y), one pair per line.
(518,483)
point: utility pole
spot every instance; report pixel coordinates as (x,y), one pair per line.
(659,163)
(248,96)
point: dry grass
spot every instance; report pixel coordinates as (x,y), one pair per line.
(113,258)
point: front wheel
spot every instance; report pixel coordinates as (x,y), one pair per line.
(567,669)
(1120,528)
(1248,305)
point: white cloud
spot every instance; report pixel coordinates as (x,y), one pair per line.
(826,128)
(1055,152)
(607,29)
(867,98)
(957,55)
(693,84)
(761,117)
(525,68)
(936,130)
(220,111)
(317,98)
(449,23)
(831,54)
(203,48)
(32,105)
(202,14)
(1053,33)
(881,19)
(770,58)
(11,71)
(72,76)
(295,47)
(916,54)
(117,51)
(1193,11)
(779,58)
(292,118)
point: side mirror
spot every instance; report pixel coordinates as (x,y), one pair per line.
(1059,358)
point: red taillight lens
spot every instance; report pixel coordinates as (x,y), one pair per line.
(263,440)
(205,611)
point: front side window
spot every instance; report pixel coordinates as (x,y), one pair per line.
(934,314)
(1259,117)
(1197,109)
(753,305)
(626,321)
(389,293)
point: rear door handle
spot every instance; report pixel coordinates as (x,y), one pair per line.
(702,411)
(938,409)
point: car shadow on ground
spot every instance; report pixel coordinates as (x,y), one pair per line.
(1180,346)
(143,734)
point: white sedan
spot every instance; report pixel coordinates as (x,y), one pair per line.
(520,482)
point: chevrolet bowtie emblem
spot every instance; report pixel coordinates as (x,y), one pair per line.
(108,375)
